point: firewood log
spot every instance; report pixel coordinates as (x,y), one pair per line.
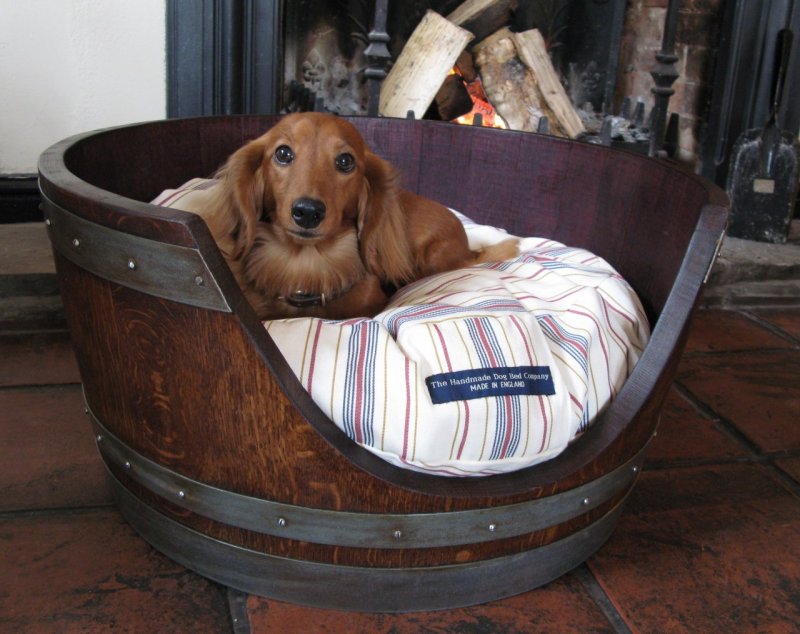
(482,17)
(522,84)
(508,83)
(426,60)
(533,53)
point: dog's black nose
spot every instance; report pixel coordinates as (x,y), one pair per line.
(308,212)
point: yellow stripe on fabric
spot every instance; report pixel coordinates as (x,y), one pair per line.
(385,388)
(436,346)
(412,382)
(335,368)
(305,353)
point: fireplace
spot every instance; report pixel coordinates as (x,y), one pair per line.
(226,57)
(266,56)
(325,43)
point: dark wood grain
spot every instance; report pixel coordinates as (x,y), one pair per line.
(208,394)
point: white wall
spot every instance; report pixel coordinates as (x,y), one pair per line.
(68,66)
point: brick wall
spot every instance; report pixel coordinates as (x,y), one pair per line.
(696,46)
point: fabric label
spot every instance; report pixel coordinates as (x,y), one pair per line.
(530,380)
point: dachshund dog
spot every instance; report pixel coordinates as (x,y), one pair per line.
(312,223)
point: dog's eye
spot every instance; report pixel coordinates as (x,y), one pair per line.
(284,155)
(345,162)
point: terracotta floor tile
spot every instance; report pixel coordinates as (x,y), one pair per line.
(686,436)
(89,572)
(758,392)
(712,549)
(786,320)
(562,606)
(790,466)
(40,359)
(48,456)
(717,330)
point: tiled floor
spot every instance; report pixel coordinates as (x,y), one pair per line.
(709,540)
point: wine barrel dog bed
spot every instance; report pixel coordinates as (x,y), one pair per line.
(218,454)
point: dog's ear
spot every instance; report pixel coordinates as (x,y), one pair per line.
(382,235)
(247,189)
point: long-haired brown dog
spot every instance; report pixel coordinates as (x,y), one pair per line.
(314,224)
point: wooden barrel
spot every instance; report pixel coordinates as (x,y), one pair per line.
(219,457)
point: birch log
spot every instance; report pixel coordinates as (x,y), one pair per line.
(533,53)
(508,83)
(427,58)
(482,17)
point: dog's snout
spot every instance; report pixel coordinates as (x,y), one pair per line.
(308,212)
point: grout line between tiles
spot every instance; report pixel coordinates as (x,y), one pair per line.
(237,606)
(701,408)
(39,387)
(689,463)
(758,319)
(724,425)
(785,479)
(706,354)
(589,582)
(56,511)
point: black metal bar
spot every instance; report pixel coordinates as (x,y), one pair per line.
(223,57)
(228,36)
(378,57)
(664,74)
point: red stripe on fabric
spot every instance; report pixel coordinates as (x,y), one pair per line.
(313,361)
(466,404)
(521,331)
(621,313)
(557,298)
(466,431)
(358,414)
(602,341)
(171,198)
(509,426)
(404,457)
(448,282)
(545,424)
(444,347)
(567,336)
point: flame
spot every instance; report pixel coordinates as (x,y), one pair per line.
(480,105)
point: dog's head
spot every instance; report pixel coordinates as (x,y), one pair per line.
(311,177)
(307,177)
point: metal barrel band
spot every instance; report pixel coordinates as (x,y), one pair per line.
(363,588)
(360,529)
(156,268)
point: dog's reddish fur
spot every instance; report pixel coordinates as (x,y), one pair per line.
(373,233)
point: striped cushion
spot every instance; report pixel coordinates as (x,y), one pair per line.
(472,372)
(477,371)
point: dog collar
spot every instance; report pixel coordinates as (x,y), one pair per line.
(301,299)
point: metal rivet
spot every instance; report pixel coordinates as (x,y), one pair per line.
(636,469)
(76,243)
(398,534)
(48,222)
(131,265)
(586,501)
(181,494)
(86,410)
(492,528)
(127,465)
(199,280)
(99,438)
(281,522)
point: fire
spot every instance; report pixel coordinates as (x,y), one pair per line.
(480,105)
